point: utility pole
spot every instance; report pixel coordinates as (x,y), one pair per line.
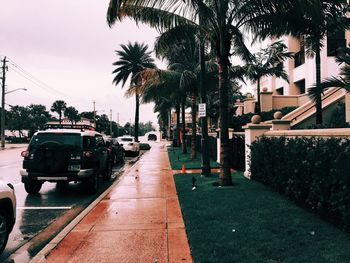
(110,122)
(4,69)
(94,114)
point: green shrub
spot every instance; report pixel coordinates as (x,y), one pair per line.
(239,121)
(237,156)
(313,172)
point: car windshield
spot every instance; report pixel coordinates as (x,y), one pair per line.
(126,139)
(71,139)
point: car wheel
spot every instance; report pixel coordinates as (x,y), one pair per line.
(4,231)
(32,187)
(108,172)
(62,185)
(123,158)
(92,183)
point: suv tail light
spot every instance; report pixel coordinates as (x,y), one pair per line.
(87,153)
(25,153)
(131,144)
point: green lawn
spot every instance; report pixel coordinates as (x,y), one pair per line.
(177,159)
(249,223)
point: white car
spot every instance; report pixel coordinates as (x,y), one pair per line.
(129,144)
(7,212)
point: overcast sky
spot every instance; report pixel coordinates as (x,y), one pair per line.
(68,45)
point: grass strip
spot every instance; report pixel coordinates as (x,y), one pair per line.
(250,223)
(177,159)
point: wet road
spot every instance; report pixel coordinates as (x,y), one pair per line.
(40,217)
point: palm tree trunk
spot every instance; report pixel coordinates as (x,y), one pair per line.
(177,134)
(183,118)
(205,162)
(225,178)
(318,84)
(194,124)
(137,112)
(258,106)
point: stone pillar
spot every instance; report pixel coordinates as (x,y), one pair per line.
(249,105)
(239,107)
(347,107)
(252,132)
(266,100)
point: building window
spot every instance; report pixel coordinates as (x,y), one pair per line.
(301,86)
(299,58)
(335,42)
(280,91)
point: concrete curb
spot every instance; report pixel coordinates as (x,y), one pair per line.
(41,256)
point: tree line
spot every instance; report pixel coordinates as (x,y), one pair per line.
(34,117)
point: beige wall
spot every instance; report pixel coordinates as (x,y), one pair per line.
(280,101)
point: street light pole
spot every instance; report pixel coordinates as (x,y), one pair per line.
(4,68)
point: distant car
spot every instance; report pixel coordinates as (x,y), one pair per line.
(7,212)
(152,137)
(117,152)
(145,146)
(63,155)
(129,144)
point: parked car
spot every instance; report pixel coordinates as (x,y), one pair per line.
(63,155)
(116,151)
(7,212)
(145,146)
(152,137)
(129,144)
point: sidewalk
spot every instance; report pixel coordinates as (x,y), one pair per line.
(138,221)
(13,146)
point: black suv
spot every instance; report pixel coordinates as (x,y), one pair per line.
(63,155)
(116,150)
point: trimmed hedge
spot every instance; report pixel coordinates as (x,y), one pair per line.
(313,172)
(211,144)
(237,157)
(239,121)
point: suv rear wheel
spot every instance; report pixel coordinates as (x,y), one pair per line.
(92,183)
(32,187)
(4,231)
(108,172)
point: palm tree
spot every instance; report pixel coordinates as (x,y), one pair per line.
(162,87)
(222,22)
(72,114)
(268,62)
(342,81)
(183,58)
(59,107)
(312,19)
(133,58)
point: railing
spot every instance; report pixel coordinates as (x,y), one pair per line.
(311,106)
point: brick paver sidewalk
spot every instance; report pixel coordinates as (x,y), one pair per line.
(138,221)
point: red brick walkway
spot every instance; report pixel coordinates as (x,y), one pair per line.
(138,221)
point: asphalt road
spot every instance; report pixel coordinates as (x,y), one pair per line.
(40,217)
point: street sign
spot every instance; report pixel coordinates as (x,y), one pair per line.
(202,110)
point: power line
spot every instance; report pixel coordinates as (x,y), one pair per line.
(37,83)
(29,74)
(34,79)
